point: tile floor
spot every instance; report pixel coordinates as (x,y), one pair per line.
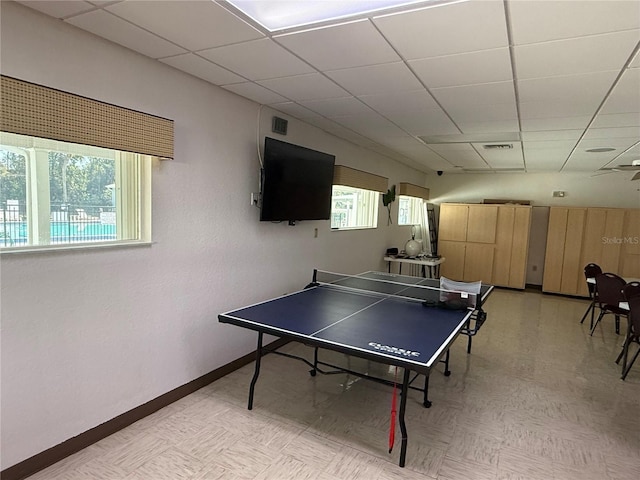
(538,398)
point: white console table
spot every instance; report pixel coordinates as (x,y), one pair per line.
(422,263)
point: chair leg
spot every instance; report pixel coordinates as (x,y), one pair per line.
(625,371)
(597,321)
(591,307)
(625,346)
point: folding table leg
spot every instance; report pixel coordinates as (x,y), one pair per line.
(403,406)
(256,371)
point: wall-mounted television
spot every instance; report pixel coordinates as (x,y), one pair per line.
(296,183)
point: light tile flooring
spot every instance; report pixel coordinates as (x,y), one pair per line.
(538,398)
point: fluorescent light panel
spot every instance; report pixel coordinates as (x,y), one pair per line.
(279,15)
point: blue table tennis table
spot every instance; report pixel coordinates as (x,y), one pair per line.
(396,320)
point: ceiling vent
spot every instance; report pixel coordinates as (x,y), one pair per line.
(498,146)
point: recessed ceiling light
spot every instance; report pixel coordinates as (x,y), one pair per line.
(286,14)
(600,150)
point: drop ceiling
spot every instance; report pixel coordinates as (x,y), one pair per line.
(561,76)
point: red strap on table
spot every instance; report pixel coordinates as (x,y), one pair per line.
(392,422)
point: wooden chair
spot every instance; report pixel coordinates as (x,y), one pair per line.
(609,290)
(590,272)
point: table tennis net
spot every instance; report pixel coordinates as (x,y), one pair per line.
(383,286)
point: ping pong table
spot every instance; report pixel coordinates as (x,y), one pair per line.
(398,320)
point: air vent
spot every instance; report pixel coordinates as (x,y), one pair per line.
(279,125)
(498,146)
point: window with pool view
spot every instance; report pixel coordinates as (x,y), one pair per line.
(61,194)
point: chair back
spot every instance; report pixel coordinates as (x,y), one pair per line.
(610,287)
(631,289)
(591,270)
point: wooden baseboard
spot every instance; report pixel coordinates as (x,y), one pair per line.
(54,454)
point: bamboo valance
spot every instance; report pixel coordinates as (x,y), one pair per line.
(30,109)
(412,190)
(351,177)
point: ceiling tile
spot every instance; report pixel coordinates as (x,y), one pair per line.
(561,146)
(193,25)
(551,135)
(488,113)
(204,69)
(622,132)
(589,87)
(465,68)
(542,160)
(369,125)
(332,107)
(59,8)
(616,120)
(496,126)
(347,45)
(555,123)
(620,144)
(255,92)
(625,97)
(597,53)
(533,21)
(474,95)
(257,60)
(376,79)
(312,86)
(418,100)
(106,25)
(446,29)
(427,122)
(557,108)
(294,109)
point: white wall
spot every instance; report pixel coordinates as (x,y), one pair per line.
(89,335)
(611,190)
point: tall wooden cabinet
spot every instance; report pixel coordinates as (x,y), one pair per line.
(576,236)
(484,242)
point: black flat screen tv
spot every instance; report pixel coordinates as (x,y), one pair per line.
(296,183)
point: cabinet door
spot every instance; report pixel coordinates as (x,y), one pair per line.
(453,222)
(630,254)
(453,265)
(554,254)
(520,247)
(572,269)
(611,240)
(504,241)
(478,263)
(481,225)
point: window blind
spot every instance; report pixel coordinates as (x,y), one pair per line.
(30,109)
(411,190)
(350,177)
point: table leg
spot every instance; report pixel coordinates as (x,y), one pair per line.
(403,427)
(256,372)
(425,400)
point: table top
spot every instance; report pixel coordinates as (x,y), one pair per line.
(417,260)
(375,315)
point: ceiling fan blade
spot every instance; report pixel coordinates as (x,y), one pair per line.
(636,176)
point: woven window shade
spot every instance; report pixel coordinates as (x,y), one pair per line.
(350,177)
(29,109)
(411,190)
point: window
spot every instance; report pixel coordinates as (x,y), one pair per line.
(410,210)
(355,197)
(55,193)
(353,208)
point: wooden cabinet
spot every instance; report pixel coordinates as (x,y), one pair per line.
(576,236)
(485,242)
